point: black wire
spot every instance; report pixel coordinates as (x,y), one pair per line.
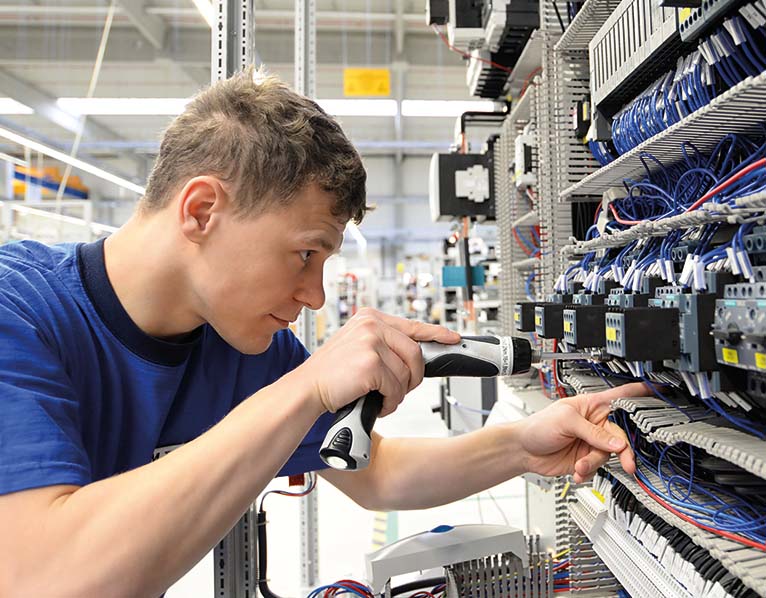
(558,16)
(418,585)
(263,585)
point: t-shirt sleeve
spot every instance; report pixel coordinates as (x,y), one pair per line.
(306,456)
(40,437)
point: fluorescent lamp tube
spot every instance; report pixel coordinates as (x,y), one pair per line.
(444,107)
(74,162)
(11,106)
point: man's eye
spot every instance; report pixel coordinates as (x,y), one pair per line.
(305,254)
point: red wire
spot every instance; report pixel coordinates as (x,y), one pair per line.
(539,69)
(714,191)
(520,243)
(726,183)
(467,55)
(728,535)
(595,216)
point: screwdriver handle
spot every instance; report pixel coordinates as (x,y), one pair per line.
(348,441)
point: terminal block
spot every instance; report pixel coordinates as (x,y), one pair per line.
(549,320)
(584,326)
(696,313)
(619,298)
(739,327)
(524,316)
(642,333)
(755,242)
(560,298)
(756,389)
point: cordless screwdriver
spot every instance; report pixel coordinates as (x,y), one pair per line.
(347,443)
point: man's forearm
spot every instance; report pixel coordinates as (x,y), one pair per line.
(419,473)
(136,533)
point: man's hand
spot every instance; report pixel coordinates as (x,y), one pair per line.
(574,436)
(373,351)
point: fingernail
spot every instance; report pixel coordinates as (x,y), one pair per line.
(615,443)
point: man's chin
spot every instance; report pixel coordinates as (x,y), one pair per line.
(254,346)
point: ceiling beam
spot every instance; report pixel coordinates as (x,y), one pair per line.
(152,27)
(45,105)
(22,45)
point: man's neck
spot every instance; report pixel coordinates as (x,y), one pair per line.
(147,273)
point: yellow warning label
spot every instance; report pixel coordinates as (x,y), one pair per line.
(760,361)
(684,14)
(730,356)
(366,82)
(538,320)
(611,334)
(517,317)
(567,326)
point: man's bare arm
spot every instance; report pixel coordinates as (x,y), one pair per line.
(571,436)
(136,533)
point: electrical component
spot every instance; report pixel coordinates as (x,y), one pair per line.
(549,320)
(740,327)
(584,326)
(445,546)
(524,316)
(460,185)
(703,16)
(642,333)
(637,40)
(696,313)
(437,12)
(522,167)
(464,28)
(581,118)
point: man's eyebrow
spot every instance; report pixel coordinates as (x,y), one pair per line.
(323,243)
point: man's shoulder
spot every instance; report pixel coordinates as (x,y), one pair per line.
(21,257)
(33,278)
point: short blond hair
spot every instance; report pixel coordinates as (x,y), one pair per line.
(264,139)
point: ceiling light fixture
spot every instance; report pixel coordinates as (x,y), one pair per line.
(74,162)
(123,106)
(444,107)
(360,107)
(11,106)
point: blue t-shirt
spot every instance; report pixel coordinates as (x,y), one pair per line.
(85,394)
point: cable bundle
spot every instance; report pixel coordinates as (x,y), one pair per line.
(692,565)
(690,86)
(732,53)
(692,487)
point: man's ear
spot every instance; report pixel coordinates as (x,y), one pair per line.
(202,200)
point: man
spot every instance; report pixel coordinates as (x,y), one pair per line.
(174,330)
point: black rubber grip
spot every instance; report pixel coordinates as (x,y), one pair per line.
(451,364)
(522,355)
(373,403)
(492,340)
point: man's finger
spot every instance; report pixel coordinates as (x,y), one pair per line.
(591,462)
(596,436)
(408,351)
(420,331)
(605,397)
(627,457)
